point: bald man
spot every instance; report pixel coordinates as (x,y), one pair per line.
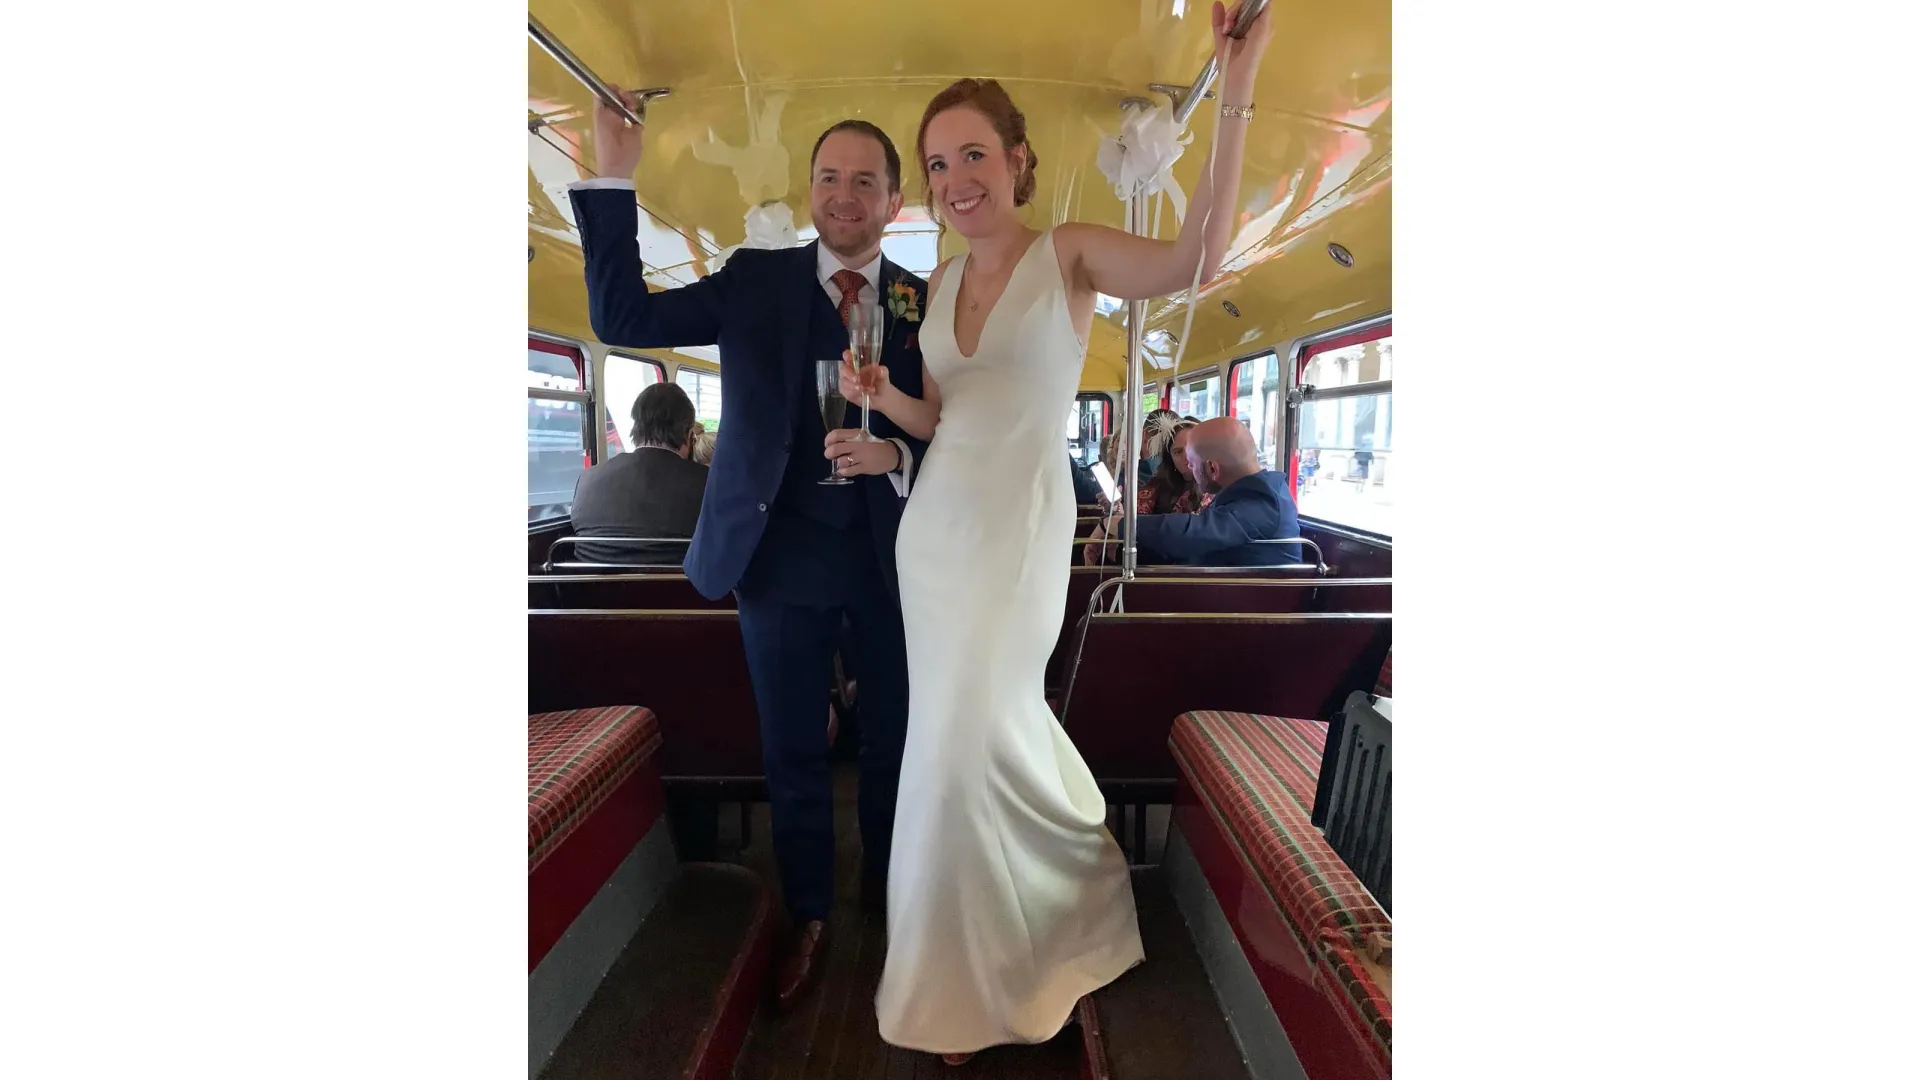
(1249,503)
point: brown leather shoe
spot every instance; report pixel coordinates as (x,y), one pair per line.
(805,956)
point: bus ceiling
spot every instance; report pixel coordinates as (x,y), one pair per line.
(755,82)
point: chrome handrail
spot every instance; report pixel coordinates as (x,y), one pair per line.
(1253,582)
(580,572)
(564,57)
(576,540)
(1185,101)
(1319,557)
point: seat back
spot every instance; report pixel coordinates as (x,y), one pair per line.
(1269,594)
(1123,695)
(633,591)
(562,558)
(1353,804)
(540,539)
(1359,554)
(1081,581)
(690,667)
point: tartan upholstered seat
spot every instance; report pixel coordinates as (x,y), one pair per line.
(575,759)
(1383,687)
(1256,775)
(1291,748)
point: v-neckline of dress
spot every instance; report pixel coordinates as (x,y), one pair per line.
(995,307)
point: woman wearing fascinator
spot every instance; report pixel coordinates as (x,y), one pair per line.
(1170,488)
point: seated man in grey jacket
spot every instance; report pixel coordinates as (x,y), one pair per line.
(654,491)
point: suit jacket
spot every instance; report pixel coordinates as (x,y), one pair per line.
(757,309)
(646,492)
(1256,507)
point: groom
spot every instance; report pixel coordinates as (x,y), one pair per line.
(797,554)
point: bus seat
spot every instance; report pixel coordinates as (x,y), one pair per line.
(540,540)
(657,554)
(1318,943)
(1383,686)
(637,965)
(1081,581)
(596,770)
(666,592)
(1170,594)
(1120,704)
(689,666)
(1363,556)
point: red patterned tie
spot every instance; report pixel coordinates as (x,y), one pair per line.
(850,282)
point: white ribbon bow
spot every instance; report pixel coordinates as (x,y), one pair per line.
(1139,160)
(769,225)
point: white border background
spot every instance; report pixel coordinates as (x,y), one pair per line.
(265,674)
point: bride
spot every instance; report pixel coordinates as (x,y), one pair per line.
(1007,899)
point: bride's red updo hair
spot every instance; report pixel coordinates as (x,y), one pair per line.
(986,97)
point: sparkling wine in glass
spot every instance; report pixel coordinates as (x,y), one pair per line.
(866,329)
(833,408)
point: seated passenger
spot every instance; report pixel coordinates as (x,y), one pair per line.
(703,443)
(654,491)
(1153,441)
(1171,490)
(1249,503)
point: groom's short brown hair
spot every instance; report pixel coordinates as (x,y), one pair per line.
(871,131)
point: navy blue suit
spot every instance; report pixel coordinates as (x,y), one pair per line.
(799,557)
(1256,507)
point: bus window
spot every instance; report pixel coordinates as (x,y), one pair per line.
(1089,419)
(1346,442)
(1198,398)
(1256,397)
(626,377)
(557,410)
(704,388)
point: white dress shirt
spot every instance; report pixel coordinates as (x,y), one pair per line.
(829,265)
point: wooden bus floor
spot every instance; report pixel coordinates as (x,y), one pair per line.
(833,1033)
(1159,1021)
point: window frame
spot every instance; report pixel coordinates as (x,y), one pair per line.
(581,354)
(1107,410)
(1371,328)
(606,418)
(1212,371)
(699,369)
(1231,395)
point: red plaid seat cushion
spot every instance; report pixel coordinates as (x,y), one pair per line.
(1383,687)
(575,759)
(1256,776)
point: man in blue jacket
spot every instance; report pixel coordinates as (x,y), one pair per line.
(1249,503)
(799,556)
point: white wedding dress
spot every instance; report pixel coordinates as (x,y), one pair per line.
(1007,900)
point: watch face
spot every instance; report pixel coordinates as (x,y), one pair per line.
(1340,255)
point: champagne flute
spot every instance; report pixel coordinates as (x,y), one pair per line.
(866,330)
(833,408)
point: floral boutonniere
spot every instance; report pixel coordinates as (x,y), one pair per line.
(904,301)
